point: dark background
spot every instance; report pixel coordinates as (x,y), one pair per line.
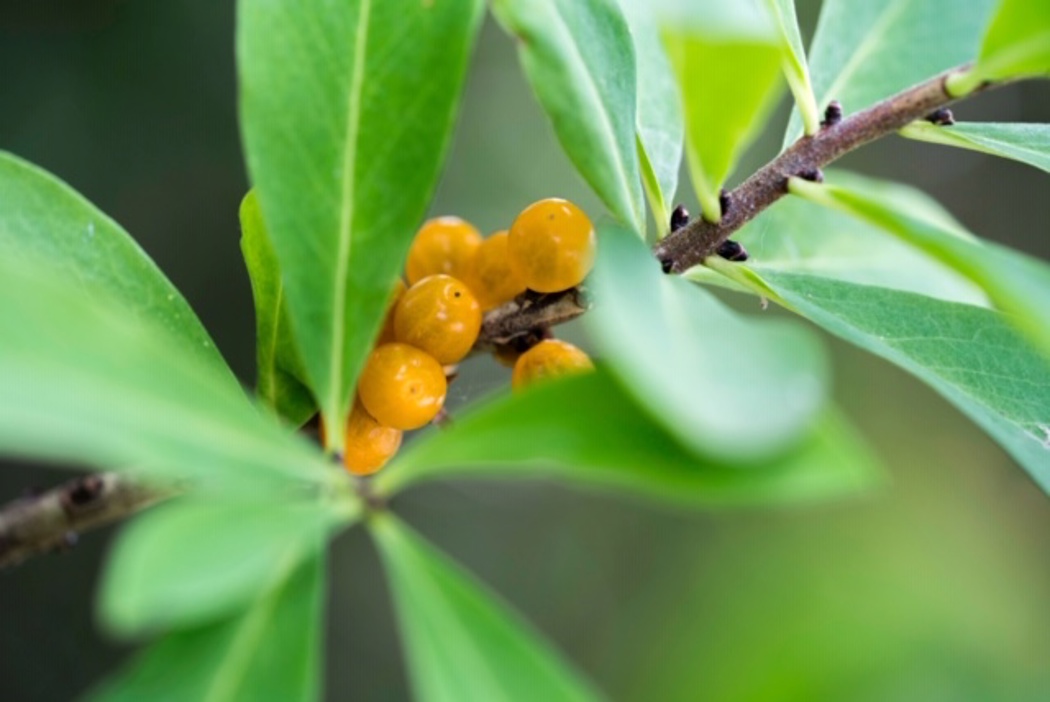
(933,588)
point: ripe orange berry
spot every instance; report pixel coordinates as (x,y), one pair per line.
(402,387)
(491,278)
(552,245)
(438,315)
(443,245)
(550,358)
(369,444)
(386,334)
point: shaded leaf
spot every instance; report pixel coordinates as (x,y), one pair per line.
(866,50)
(279,367)
(971,356)
(1017,44)
(579,59)
(676,348)
(794,64)
(346,110)
(462,643)
(587,432)
(1027,143)
(270,652)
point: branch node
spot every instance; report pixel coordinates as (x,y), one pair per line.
(832,114)
(942,117)
(679,218)
(732,251)
(667,265)
(724,201)
(83,492)
(814,175)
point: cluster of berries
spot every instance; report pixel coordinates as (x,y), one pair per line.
(454,277)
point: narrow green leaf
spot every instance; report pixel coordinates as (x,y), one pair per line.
(794,64)
(588,432)
(579,59)
(659,127)
(728,70)
(798,236)
(193,561)
(85,383)
(279,366)
(866,50)
(270,652)
(669,342)
(1017,45)
(1027,143)
(346,110)
(971,356)
(462,643)
(1017,284)
(48,224)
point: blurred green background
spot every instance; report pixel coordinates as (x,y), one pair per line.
(937,587)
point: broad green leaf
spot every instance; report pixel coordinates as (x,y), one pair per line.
(279,366)
(83,382)
(798,236)
(578,57)
(678,350)
(864,51)
(728,70)
(794,64)
(1017,284)
(1027,143)
(1017,45)
(971,356)
(191,561)
(346,110)
(462,643)
(272,651)
(47,223)
(659,113)
(586,431)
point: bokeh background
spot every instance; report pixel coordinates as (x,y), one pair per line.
(936,587)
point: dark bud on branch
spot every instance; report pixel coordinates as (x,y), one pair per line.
(814,175)
(666,265)
(942,117)
(832,114)
(732,251)
(724,201)
(679,218)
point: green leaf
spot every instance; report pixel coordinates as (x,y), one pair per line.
(578,57)
(588,432)
(863,52)
(1016,283)
(84,382)
(659,114)
(727,69)
(680,352)
(270,652)
(346,110)
(279,366)
(462,643)
(1027,143)
(192,561)
(971,356)
(799,236)
(794,64)
(48,224)
(1017,45)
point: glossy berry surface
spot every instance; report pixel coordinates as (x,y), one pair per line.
(368,444)
(438,315)
(551,245)
(443,245)
(551,358)
(492,279)
(402,387)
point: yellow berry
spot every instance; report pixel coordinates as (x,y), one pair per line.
(386,334)
(369,444)
(491,278)
(438,315)
(550,358)
(443,245)
(402,387)
(551,245)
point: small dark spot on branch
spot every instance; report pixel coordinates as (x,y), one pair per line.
(83,492)
(666,265)
(832,114)
(679,218)
(814,175)
(732,251)
(942,117)
(724,201)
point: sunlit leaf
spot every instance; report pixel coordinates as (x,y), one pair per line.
(579,59)
(1027,143)
(1017,44)
(795,67)
(346,110)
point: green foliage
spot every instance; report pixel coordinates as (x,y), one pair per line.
(796,70)
(279,366)
(1017,45)
(579,58)
(270,651)
(346,111)
(667,341)
(1027,143)
(462,643)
